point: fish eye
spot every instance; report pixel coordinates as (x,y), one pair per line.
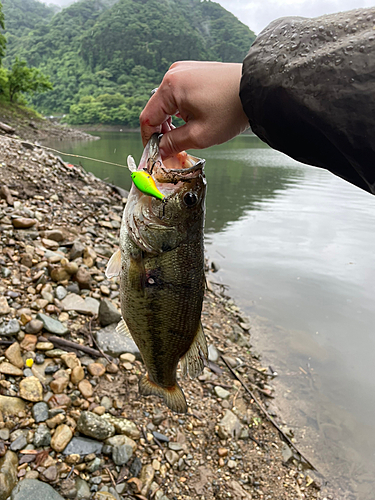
(190,199)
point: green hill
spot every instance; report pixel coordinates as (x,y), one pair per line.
(104,56)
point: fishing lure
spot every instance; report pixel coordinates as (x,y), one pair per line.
(143,180)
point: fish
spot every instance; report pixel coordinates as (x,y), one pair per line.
(161,267)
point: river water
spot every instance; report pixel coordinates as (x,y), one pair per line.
(296,247)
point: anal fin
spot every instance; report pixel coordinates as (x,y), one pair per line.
(173,396)
(192,362)
(122,329)
(114,265)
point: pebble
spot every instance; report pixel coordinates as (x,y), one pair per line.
(70,359)
(96,369)
(10,328)
(172,457)
(74,302)
(4,306)
(40,412)
(42,436)
(32,489)
(123,426)
(13,353)
(19,443)
(34,326)
(222,452)
(83,489)
(83,446)
(8,474)
(29,342)
(221,392)
(61,292)
(23,222)
(94,426)
(122,454)
(11,405)
(44,346)
(52,325)
(9,369)
(106,402)
(77,375)
(77,250)
(59,385)
(229,426)
(63,434)
(31,389)
(113,343)
(85,388)
(83,278)
(54,234)
(213,353)
(108,313)
(147,476)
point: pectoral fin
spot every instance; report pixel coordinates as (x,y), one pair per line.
(173,396)
(114,265)
(192,362)
(122,329)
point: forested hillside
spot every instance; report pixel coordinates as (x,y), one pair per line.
(104,56)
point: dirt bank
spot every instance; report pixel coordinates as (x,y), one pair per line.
(71,419)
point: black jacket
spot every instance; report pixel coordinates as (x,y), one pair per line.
(308,89)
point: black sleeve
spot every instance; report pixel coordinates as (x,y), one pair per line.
(308,89)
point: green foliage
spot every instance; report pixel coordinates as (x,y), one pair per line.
(115,52)
(22,79)
(2,37)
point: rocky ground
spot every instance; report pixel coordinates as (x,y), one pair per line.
(72,424)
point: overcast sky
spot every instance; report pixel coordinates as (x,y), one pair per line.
(258,13)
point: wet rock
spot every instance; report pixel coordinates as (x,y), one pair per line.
(42,436)
(63,434)
(122,454)
(31,389)
(13,353)
(40,412)
(52,325)
(83,489)
(11,405)
(221,392)
(12,327)
(229,426)
(4,306)
(83,278)
(8,474)
(23,222)
(83,446)
(123,426)
(32,489)
(114,343)
(34,326)
(9,369)
(108,313)
(94,426)
(77,250)
(73,302)
(61,292)
(85,388)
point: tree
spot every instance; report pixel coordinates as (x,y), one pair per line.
(22,79)
(3,40)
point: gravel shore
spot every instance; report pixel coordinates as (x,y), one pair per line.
(72,424)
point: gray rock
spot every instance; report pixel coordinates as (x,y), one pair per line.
(4,434)
(19,443)
(83,446)
(94,426)
(229,426)
(239,337)
(83,489)
(113,343)
(61,292)
(32,489)
(213,353)
(175,446)
(73,288)
(52,325)
(76,250)
(34,326)
(106,402)
(42,436)
(74,302)
(12,327)
(172,457)
(94,465)
(108,313)
(8,474)
(287,453)
(221,392)
(40,412)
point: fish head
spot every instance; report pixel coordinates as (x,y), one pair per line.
(156,225)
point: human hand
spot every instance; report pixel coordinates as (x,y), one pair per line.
(206,96)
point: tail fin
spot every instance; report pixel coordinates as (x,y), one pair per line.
(173,396)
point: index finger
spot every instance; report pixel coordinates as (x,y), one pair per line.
(157,111)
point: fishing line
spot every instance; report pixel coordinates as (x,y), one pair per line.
(66,154)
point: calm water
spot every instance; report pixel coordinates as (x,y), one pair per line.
(296,247)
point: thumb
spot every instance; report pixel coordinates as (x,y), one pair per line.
(175,141)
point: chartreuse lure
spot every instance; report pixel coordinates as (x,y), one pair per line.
(143,181)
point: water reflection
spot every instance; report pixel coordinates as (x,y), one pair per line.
(295,245)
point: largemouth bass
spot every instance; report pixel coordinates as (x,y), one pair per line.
(161,268)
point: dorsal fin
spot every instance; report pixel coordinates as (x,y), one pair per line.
(114,265)
(122,329)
